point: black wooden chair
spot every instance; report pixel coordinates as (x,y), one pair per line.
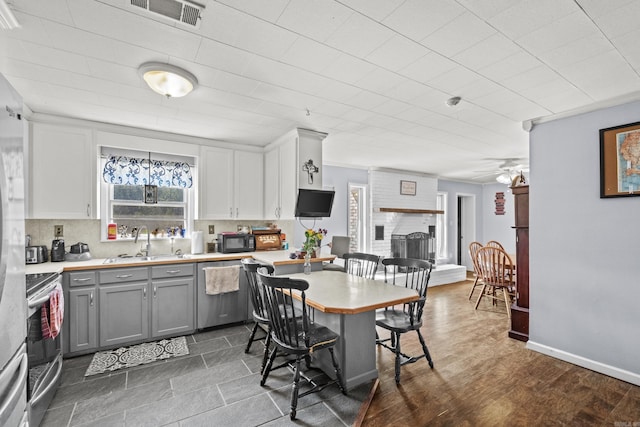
(414,274)
(260,314)
(295,335)
(361,264)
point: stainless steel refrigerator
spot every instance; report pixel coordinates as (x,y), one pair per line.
(13,303)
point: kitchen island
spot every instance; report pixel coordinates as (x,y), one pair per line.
(347,305)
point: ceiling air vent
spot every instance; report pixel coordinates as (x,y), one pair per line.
(177,10)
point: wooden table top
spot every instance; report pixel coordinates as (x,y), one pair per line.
(342,293)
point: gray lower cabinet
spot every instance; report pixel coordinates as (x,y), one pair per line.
(124,306)
(173,300)
(81,312)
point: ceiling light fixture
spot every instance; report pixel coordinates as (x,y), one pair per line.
(452,102)
(168,80)
(7,20)
(504,178)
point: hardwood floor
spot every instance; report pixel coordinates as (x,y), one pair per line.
(483,378)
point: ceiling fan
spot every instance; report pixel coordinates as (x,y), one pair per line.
(507,169)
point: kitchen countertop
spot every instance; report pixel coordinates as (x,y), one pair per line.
(274,258)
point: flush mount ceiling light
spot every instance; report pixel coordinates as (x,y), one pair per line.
(168,80)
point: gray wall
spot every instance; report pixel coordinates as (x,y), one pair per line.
(584,279)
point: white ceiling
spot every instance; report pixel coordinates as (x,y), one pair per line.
(373,74)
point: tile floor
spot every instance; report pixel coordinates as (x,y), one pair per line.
(216,384)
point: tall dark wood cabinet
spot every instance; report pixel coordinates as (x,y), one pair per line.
(520,308)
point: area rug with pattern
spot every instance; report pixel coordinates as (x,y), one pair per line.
(126,357)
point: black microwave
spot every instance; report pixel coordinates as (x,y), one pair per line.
(229,243)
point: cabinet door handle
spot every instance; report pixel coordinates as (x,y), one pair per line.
(144,293)
(173,271)
(84,279)
(155,291)
(124,276)
(237,213)
(88,210)
(230,212)
(91,299)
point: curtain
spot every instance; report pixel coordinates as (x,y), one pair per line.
(125,170)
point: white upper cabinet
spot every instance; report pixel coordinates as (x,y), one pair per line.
(285,171)
(230,184)
(62,172)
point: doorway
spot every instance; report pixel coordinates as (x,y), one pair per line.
(466,228)
(357,222)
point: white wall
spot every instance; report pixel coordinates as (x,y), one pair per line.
(498,227)
(584,268)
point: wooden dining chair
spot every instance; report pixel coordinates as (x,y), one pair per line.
(496,274)
(361,264)
(295,335)
(260,314)
(495,244)
(413,274)
(474,247)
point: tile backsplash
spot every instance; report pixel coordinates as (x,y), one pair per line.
(88,231)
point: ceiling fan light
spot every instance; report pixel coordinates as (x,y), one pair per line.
(504,178)
(168,80)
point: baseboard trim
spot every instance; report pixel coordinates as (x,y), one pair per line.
(609,370)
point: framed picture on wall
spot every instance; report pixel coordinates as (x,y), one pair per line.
(408,188)
(620,161)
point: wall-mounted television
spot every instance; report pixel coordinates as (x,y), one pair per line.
(314,203)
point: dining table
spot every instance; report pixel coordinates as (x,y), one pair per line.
(347,305)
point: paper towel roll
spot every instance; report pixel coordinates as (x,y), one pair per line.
(197,242)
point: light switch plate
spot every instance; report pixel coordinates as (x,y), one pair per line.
(58,231)
(212,229)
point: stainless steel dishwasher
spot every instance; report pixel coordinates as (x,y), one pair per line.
(222,309)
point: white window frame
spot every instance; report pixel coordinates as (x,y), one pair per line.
(441,225)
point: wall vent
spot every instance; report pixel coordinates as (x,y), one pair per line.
(177,10)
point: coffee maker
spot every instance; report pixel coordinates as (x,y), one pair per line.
(57,250)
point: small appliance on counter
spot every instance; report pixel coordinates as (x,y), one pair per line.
(36,254)
(229,243)
(268,239)
(57,250)
(78,252)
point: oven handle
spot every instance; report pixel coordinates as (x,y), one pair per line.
(47,291)
(17,389)
(34,401)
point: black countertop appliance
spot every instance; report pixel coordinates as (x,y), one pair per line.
(57,250)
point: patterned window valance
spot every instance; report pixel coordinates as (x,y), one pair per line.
(125,170)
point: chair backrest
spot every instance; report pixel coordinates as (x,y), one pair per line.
(495,244)
(289,324)
(495,266)
(340,245)
(256,294)
(361,264)
(410,273)
(474,247)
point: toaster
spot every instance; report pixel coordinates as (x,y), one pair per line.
(36,254)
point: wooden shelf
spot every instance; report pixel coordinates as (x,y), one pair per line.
(411,211)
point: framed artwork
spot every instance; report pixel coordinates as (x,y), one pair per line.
(620,161)
(408,188)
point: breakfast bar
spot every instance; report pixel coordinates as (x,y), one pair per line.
(347,305)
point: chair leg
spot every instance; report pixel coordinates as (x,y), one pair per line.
(267,369)
(397,347)
(337,370)
(507,301)
(473,288)
(425,349)
(295,389)
(265,355)
(484,287)
(251,337)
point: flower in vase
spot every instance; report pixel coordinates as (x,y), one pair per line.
(313,239)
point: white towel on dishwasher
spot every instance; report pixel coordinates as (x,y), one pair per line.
(220,280)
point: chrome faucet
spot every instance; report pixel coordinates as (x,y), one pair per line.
(148,254)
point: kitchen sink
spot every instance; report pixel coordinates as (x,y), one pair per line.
(127,259)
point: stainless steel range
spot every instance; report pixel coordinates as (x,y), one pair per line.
(45,352)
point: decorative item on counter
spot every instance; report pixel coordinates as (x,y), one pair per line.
(313,240)
(112,231)
(122,230)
